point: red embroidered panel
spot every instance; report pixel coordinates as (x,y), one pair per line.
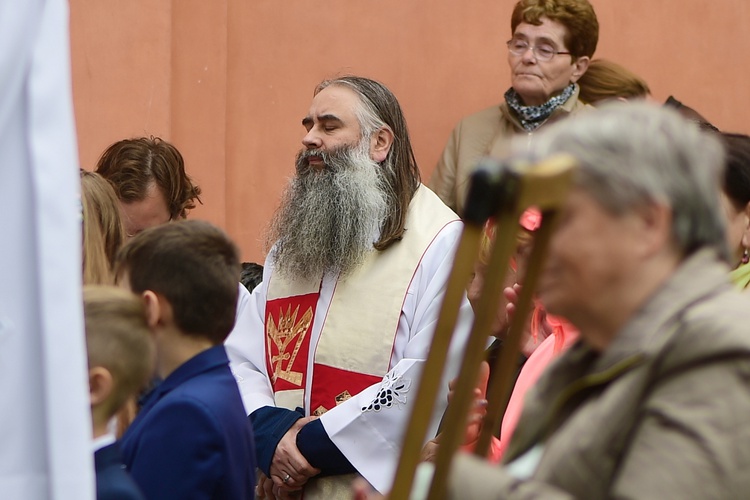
(332,386)
(289,321)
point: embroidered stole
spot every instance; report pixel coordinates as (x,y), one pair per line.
(356,341)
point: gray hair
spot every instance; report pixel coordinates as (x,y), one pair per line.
(634,154)
(367,115)
(380,108)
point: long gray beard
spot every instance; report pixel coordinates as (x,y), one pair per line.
(328,217)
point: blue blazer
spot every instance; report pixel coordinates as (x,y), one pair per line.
(112,480)
(192,439)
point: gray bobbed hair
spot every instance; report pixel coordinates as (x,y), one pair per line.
(633,154)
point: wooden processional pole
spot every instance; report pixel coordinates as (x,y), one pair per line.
(502,190)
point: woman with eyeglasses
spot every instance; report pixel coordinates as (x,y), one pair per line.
(551,45)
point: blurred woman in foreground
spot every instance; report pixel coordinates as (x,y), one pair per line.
(652,402)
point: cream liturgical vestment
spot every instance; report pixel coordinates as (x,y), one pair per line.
(352,351)
(45,423)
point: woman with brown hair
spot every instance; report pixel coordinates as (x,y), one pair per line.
(606,80)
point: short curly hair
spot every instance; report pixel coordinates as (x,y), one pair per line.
(133,165)
(577,16)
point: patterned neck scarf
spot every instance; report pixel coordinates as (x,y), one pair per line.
(533,116)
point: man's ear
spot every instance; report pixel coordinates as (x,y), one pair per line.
(101,385)
(380,144)
(581,65)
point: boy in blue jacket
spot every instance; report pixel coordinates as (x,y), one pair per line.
(192,438)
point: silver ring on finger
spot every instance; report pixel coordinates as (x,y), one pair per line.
(286,478)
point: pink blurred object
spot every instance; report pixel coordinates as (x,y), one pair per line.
(531,219)
(562,337)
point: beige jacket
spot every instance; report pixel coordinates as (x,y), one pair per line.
(487,132)
(664,412)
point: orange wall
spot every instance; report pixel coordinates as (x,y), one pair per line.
(227,81)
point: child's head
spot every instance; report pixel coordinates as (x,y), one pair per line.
(120,348)
(192,265)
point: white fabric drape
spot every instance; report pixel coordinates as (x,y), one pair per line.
(45,426)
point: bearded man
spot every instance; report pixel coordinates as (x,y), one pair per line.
(329,348)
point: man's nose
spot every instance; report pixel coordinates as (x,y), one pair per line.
(312,139)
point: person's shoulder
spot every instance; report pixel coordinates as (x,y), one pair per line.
(428,216)
(717,326)
(215,387)
(579,106)
(188,420)
(709,332)
(200,413)
(491,115)
(426,199)
(696,318)
(572,108)
(188,403)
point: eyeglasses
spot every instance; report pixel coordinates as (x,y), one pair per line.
(543,52)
